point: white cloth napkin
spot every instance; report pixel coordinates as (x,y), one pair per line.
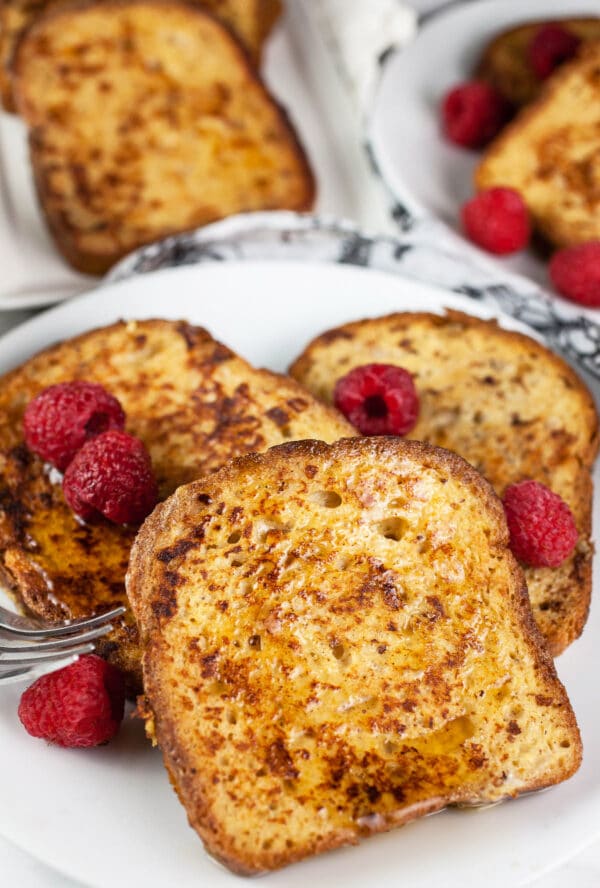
(358,33)
(31,269)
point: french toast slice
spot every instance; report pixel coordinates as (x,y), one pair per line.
(191,400)
(337,640)
(504,402)
(505,61)
(550,153)
(250,20)
(145,119)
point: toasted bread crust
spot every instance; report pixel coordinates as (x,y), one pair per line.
(185,139)
(548,153)
(170,531)
(189,398)
(524,433)
(270,13)
(250,20)
(505,63)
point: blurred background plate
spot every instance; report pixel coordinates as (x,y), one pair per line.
(426,174)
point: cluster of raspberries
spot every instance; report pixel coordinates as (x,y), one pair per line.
(78,427)
(497,219)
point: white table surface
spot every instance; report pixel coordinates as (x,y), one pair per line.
(19,870)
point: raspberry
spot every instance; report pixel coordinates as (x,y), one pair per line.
(473,113)
(111,475)
(59,420)
(80,705)
(542,527)
(575,272)
(550,46)
(378,399)
(497,220)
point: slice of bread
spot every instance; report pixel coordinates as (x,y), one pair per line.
(337,640)
(505,60)
(502,401)
(191,400)
(145,119)
(550,154)
(250,21)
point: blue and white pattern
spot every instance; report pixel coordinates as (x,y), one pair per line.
(423,251)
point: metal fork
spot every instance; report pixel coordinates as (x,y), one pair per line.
(40,648)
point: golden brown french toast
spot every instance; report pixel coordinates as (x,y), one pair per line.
(250,20)
(550,153)
(505,61)
(191,400)
(336,641)
(505,403)
(146,118)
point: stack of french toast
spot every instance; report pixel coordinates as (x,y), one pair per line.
(147,118)
(549,152)
(330,631)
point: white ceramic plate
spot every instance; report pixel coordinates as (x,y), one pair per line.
(425,172)
(108,817)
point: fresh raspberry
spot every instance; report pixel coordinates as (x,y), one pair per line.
(550,46)
(542,527)
(575,272)
(497,220)
(80,705)
(59,420)
(473,113)
(111,476)
(378,399)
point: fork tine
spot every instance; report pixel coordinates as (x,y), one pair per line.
(55,644)
(69,628)
(29,673)
(7,663)
(64,647)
